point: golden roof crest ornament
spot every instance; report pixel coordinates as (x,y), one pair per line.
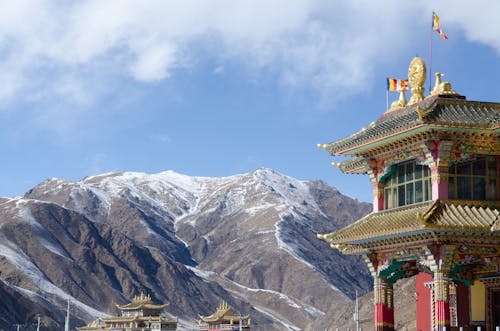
(416,76)
(442,87)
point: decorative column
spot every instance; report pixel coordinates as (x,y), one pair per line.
(375,170)
(439,179)
(441,300)
(378,196)
(383,301)
(438,154)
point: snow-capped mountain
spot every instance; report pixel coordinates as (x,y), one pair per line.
(248,239)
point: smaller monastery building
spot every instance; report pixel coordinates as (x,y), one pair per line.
(139,315)
(224,319)
(434,166)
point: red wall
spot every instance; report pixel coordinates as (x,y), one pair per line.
(423,302)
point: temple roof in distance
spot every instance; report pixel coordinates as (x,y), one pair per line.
(429,219)
(223,314)
(142,302)
(438,111)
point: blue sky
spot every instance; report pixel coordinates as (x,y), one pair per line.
(216,88)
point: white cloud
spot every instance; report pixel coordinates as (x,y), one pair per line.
(161,137)
(329,46)
(479,20)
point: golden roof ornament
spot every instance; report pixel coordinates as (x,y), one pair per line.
(441,88)
(416,76)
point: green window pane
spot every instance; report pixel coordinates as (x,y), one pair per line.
(463,169)
(491,189)
(479,168)
(410,194)
(479,188)
(418,171)
(401,195)
(464,189)
(492,168)
(409,171)
(401,173)
(452,188)
(419,193)
(427,190)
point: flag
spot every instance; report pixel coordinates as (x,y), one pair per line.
(396,84)
(435,26)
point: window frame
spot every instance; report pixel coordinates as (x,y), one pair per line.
(400,187)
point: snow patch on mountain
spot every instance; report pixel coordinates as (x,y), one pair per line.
(287,324)
(292,249)
(295,192)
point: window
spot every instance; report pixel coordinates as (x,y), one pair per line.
(474,180)
(408,183)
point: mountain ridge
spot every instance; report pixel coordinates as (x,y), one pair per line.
(187,240)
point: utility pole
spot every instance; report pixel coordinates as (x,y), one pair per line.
(66,322)
(356,312)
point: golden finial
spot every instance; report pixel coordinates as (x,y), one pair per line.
(442,87)
(416,76)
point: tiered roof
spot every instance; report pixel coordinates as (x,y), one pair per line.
(435,115)
(431,220)
(223,314)
(142,302)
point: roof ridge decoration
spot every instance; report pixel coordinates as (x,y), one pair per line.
(427,218)
(442,88)
(142,298)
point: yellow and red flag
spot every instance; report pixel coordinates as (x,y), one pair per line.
(435,26)
(396,84)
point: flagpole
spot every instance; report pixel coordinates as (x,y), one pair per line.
(386,99)
(430,61)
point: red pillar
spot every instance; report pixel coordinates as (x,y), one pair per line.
(441,301)
(384,309)
(463,304)
(424,314)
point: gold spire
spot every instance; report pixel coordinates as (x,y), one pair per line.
(142,298)
(416,76)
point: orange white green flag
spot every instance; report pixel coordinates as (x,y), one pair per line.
(435,26)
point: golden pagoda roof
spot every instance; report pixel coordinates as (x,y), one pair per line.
(142,302)
(428,220)
(223,314)
(434,112)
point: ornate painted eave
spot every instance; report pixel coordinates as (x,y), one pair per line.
(432,219)
(433,113)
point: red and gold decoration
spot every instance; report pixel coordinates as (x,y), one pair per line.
(434,166)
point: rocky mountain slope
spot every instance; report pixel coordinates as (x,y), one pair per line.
(248,239)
